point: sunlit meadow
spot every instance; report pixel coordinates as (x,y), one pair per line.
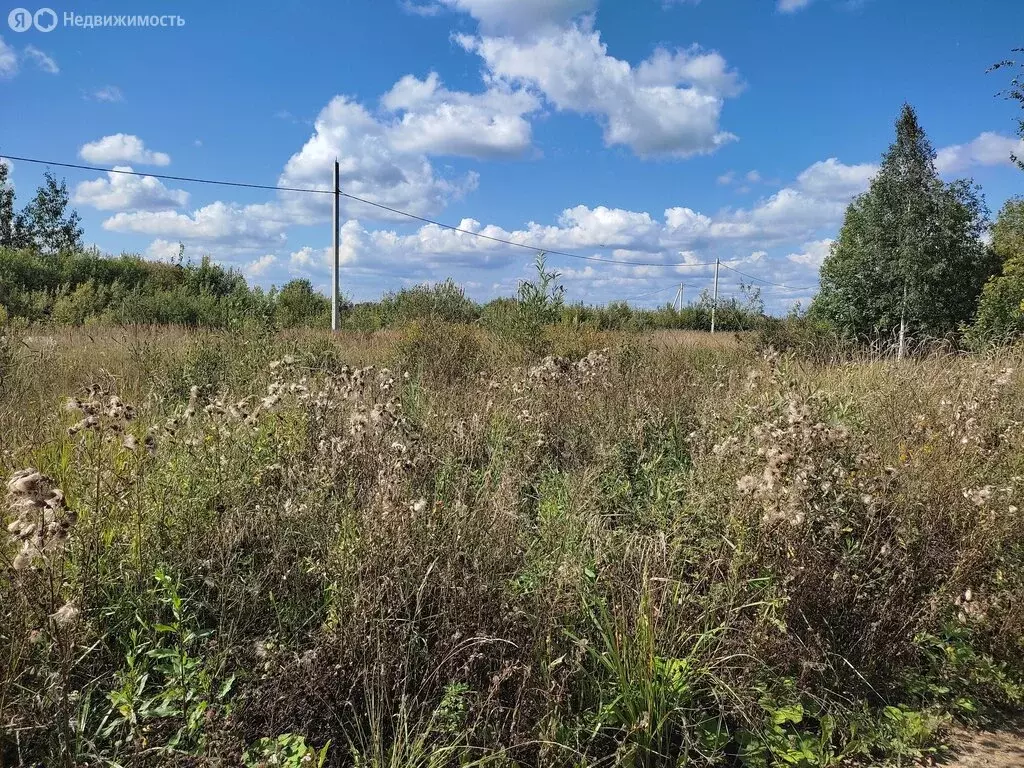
(433,547)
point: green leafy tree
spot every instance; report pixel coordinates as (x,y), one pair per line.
(299,304)
(1001,312)
(910,249)
(48,222)
(1015,92)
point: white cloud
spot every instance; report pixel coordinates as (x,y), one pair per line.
(753,177)
(789,216)
(227,224)
(162,250)
(578,228)
(521,16)
(813,253)
(791,6)
(704,70)
(726,178)
(8,60)
(306,259)
(434,120)
(988,148)
(669,105)
(371,168)
(41,60)
(122,148)
(121,192)
(260,266)
(833,180)
(108,93)
(317,262)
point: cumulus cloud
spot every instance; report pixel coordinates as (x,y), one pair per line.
(668,105)
(162,250)
(790,216)
(988,148)
(813,253)
(791,6)
(436,121)
(259,267)
(833,180)
(122,192)
(122,148)
(241,227)
(372,167)
(520,17)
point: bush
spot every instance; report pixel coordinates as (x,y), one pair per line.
(297,304)
(1000,318)
(805,337)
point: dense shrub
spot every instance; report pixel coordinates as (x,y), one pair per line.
(1000,316)
(74,288)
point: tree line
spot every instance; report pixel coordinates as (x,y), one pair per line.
(46,276)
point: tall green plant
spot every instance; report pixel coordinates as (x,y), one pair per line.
(47,222)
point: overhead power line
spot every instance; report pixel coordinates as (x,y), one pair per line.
(166,177)
(381,206)
(651,293)
(767,282)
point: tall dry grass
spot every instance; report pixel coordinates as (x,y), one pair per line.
(426,548)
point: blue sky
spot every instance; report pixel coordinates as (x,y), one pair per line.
(650,131)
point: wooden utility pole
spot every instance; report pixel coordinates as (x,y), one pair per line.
(335,312)
(714,304)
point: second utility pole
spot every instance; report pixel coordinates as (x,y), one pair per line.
(714,304)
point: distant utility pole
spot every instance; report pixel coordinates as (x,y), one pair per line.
(679,298)
(714,304)
(335,313)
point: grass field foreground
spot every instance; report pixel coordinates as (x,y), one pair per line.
(426,547)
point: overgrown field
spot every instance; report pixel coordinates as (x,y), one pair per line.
(429,548)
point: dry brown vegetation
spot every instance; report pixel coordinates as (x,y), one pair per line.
(427,547)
